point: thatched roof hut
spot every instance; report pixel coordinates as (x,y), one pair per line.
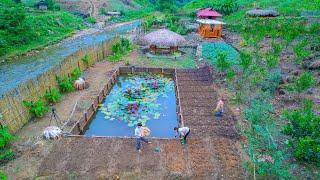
(164,38)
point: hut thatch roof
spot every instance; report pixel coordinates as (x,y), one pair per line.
(163,37)
(262,13)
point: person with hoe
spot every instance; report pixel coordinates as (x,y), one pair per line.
(141,133)
(183,133)
(220,107)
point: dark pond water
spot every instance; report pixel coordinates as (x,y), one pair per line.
(14,73)
(149,99)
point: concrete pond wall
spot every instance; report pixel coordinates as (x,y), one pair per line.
(15,115)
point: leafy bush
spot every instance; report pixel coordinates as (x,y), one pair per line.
(5,137)
(52,5)
(304,82)
(3,176)
(91,20)
(245,60)
(272,60)
(65,83)
(116,58)
(86,59)
(272,81)
(53,95)
(6,155)
(228,6)
(37,108)
(300,52)
(303,127)
(103,11)
(120,49)
(222,64)
(75,74)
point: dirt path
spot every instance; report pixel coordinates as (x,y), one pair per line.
(30,147)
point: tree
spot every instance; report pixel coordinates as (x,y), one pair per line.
(167,5)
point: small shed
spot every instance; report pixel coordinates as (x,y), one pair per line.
(210,28)
(42,5)
(208,13)
(163,41)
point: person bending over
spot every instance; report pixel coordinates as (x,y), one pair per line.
(183,133)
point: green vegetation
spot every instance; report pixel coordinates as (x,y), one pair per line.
(22,30)
(300,52)
(3,176)
(87,59)
(258,78)
(225,6)
(303,127)
(75,74)
(222,64)
(187,62)
(5,153)
(53,95)
(266,158)
(120,49)
(211,52)
(91,20)
(304,82)
(36,108)
(65,83)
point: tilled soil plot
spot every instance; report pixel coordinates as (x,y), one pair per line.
(211,151)
(104,157)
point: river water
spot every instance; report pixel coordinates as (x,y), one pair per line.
(14,73)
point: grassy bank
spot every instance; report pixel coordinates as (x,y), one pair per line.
(24,29)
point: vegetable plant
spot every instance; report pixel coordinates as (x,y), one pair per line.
(53,95)
(304,82)
(222,64)
(86,59)
(65,83)
(75,74)
(303,128)
(36,108)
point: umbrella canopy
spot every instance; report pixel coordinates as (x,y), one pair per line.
(209,21)
(208,12)
(163,37)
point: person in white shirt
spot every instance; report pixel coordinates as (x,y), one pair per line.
(140,136)
(183,133)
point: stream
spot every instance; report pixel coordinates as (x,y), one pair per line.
(15,73)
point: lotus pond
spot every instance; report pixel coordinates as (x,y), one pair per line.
(146,98)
